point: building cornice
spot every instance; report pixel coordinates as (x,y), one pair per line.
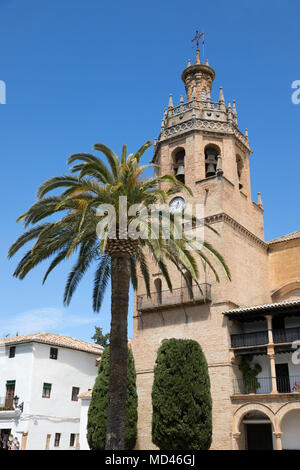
(223,217)
(209,126)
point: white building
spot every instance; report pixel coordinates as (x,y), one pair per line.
(47,372)
(85,399)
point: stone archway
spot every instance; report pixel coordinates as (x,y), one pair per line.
(287,291)
(238,432)
(288,418)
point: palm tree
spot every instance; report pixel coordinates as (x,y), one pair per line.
(79,221)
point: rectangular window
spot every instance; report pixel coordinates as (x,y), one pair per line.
(72,440)
(12,351)
(46,390)
(75,393)
(53,353)
(57,439)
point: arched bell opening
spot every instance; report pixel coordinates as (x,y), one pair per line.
(239,169)
(212,154)
(178,164)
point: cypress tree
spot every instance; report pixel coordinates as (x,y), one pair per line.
(181,399)
(97,414)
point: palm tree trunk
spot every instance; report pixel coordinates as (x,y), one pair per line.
(120,279)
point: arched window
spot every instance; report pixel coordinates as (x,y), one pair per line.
(178,163)
(211,159)
(189,284)
(239,169)
(158,290)
(203,94)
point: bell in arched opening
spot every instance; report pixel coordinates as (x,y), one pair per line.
(211,160)
(179,169)
(239,167)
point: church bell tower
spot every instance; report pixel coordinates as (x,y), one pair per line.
(201,144)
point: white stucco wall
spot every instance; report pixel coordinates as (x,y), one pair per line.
(291,431)
(85,403)
(31,368)
(18,368)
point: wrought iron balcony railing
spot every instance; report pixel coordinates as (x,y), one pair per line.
(259,338)
(286,335)
(177,297)
(263,385)
(6,404)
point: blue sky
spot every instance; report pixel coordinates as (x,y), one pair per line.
(84,72)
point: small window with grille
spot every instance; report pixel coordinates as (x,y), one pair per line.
(57,439)
(53,353)
(75,393)
(12,351)
(72,440)
(46,390)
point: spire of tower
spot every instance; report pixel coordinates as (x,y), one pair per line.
(198,75)
(198,60)
(170,105)
(234,107)
(221,96)
(259,201)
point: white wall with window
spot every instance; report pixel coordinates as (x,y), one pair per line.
(47,379)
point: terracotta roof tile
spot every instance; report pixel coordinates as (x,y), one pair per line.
(87,394)
(55,340)
(255,308)
(289,236)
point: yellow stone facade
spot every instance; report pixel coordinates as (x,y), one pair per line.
(262,273)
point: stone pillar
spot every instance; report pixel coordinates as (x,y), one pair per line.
(278,440)
(273,373)
(24,441)
(77,446)
(235,440)
(270,330)
(271,353)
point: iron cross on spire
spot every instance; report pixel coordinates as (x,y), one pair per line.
(197,37)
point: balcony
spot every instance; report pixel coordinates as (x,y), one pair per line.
(168,299)
(6,403)
(289,384)
(259,338)
(7,410)
(286,335)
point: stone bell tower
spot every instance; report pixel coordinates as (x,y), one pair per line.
(200,143)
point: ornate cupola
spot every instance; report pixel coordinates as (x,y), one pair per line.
(198,79)
(199,113)
(201,144)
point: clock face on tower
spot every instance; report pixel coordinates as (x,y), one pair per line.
(177,204)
